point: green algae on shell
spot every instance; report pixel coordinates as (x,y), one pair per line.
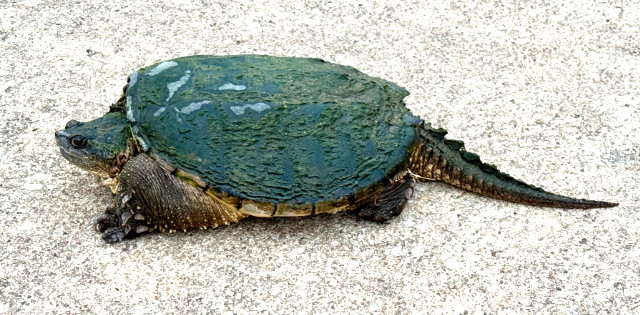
(273,129)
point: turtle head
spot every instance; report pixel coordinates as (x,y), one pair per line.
(94,145)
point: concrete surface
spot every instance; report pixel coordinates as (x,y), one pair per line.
(547,90)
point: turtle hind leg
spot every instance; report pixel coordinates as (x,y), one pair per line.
(122,221)
(389,202)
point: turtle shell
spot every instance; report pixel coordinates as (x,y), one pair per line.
(282,131)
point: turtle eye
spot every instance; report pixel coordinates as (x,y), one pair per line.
(78,141)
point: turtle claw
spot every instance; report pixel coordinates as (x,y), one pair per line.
(105,220)
(113,234)
(120,223)
(109,224)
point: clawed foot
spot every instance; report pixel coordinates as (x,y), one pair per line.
(388,203)
(121,222)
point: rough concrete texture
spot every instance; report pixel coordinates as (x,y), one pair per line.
(547,90)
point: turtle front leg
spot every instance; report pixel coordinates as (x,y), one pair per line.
(387,203)
(153,198)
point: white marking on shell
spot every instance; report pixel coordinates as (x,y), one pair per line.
(231,86)
(159,111)
(161,67)
(193,107)
(135,130)
(143,144)
(174,86)
(133,79)
(129,110)
(258,107)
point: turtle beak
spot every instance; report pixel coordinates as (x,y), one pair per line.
(63,139)
(71,154)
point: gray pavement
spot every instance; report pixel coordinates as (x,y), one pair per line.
(547,90)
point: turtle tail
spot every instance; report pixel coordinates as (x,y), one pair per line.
(437,158)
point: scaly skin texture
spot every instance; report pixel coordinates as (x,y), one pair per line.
(151,198)
(437,158)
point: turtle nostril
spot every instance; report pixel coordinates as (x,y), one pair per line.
(72,123)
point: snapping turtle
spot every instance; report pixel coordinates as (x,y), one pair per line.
(203,141)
